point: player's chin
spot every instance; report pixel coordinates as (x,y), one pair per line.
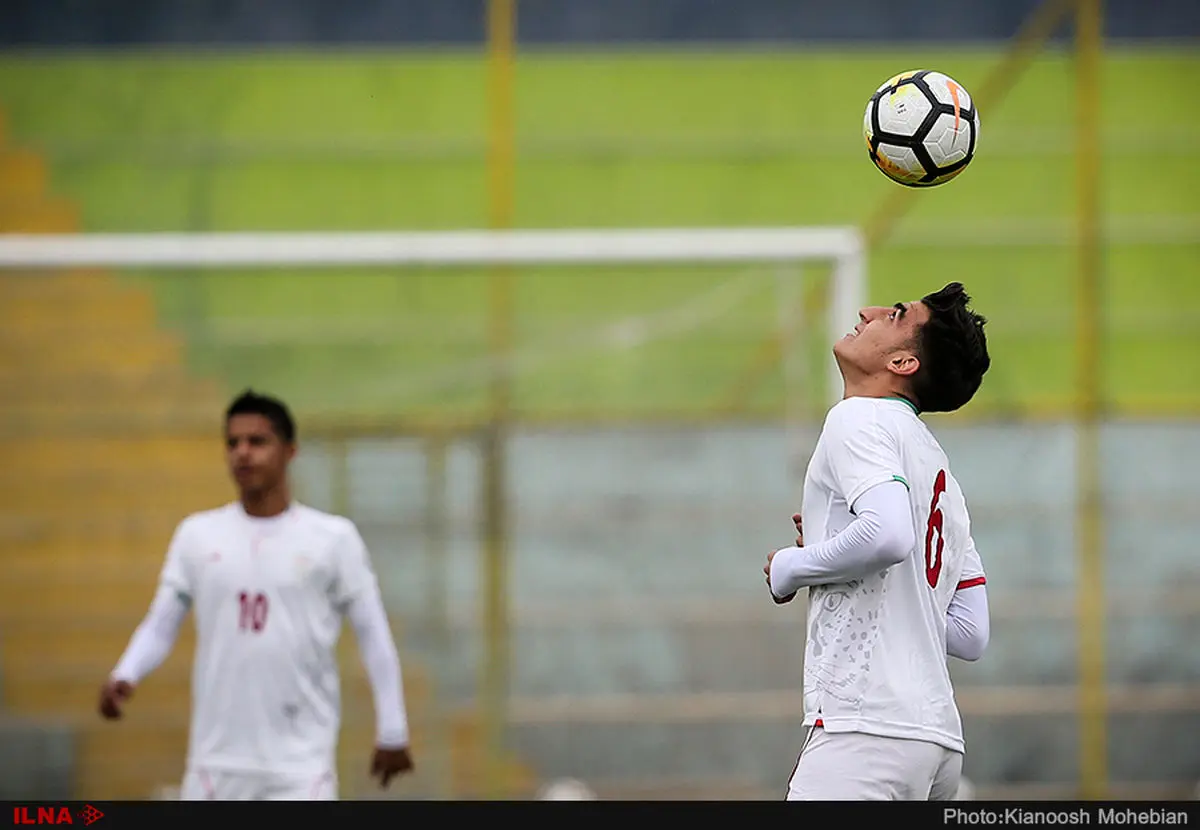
(248,479)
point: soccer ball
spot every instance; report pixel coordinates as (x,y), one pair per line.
(921,128)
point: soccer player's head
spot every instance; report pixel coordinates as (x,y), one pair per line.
(260,441)
(933,350)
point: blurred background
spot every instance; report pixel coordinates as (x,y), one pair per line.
(570,476)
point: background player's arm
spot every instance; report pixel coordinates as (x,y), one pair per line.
(359,596)
(382,662)
(880,536)
(968,622)
(155,636)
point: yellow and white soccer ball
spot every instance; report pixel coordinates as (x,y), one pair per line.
(921,128)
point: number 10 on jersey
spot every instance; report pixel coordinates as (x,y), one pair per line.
(252,611)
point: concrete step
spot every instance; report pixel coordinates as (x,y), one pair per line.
(54,600)
(101,388)
(93,314)
(79,297)
(21,533)
(132,739)
(96,491)
(64,454)
(117,761)
(22,176)
(666,788)
(41,216)
(151,350)
(468,760)
(36,523)
(162,417)
(104,561)
(45,685)
(80,642)
(63,284)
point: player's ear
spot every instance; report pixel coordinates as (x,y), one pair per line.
(904,363)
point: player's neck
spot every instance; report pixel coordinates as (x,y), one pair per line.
(268,503)
(874,386)
(868,386)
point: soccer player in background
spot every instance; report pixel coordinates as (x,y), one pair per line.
(895,583)
(269,580)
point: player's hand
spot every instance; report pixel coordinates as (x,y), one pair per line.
(767,571)
(113,695)
(386,764)
(798,521)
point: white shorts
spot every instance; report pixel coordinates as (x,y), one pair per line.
(202,784)
(852,766)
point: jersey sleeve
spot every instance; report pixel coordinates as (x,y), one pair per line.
(972,572)
(863,452)
(178,571)
(355,574)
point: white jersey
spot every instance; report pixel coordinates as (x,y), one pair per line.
(268,597)
(875,660)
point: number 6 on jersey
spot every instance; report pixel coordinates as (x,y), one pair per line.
(933,557)
(252,611)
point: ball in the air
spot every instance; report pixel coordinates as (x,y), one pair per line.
(921,128)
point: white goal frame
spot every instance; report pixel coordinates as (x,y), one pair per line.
(842,246)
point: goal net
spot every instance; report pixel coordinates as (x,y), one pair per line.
(599,323)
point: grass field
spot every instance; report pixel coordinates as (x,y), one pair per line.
(292,141)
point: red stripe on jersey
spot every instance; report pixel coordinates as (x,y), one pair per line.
(971,583)
(206,784)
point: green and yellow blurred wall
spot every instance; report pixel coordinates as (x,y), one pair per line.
(114,383)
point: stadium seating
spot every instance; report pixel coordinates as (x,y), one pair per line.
(108,442)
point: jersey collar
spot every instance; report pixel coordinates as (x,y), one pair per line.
(905,401)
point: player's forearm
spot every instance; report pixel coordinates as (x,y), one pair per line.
(382,662)
(880,536)
(968,624)
(154,637)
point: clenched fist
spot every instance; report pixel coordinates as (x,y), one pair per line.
(767,571)
(113,695)
(798,521)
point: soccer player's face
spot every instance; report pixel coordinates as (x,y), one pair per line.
(257,456)
(884,339)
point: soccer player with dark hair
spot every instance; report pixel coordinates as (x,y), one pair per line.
(895,582)
(269,581)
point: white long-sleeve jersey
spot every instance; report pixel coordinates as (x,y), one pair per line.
(895,584)
(269,596)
